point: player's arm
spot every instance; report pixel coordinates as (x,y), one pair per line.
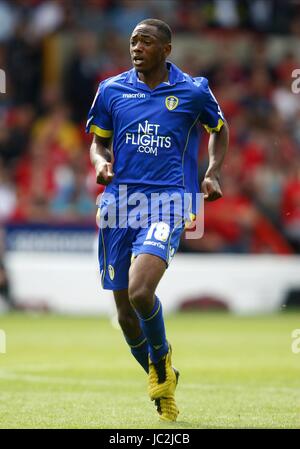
(217,148)
(101,158)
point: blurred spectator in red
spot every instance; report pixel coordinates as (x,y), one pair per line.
(228,223)
(34,179)
(291,207)
(15,131)
(234,224)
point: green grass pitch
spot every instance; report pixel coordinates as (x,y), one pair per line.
(72,372)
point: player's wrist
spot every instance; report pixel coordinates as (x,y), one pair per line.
(212,174)
(100,163)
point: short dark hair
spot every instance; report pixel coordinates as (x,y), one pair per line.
(162,27)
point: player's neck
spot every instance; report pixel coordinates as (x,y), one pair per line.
(156,77)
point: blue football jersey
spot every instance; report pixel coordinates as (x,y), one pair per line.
(155,132)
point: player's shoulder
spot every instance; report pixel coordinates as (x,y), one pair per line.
(197,84)
(112,82)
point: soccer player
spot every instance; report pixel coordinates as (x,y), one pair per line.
(146,137)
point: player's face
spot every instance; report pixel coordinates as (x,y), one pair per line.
(147,48)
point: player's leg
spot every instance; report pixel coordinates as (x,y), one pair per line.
(131,328)
(144,275)
(154,248)
(114,252)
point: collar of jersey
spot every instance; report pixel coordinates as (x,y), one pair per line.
(175,76)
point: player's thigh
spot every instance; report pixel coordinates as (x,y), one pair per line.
(158,239)
(145,273)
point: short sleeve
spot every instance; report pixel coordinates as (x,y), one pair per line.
(211,116)
(99,120)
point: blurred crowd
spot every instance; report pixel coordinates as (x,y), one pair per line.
(54,54)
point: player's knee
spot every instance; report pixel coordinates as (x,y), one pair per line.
(141,298)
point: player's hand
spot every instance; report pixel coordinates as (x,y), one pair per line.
(211,188)
(104,173)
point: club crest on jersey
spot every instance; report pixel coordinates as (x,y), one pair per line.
(171,102)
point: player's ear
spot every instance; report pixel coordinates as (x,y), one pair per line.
(167,49)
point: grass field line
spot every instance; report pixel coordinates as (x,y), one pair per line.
(8,375)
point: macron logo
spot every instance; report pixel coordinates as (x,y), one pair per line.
(139,95)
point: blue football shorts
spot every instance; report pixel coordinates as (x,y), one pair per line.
(124,234)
